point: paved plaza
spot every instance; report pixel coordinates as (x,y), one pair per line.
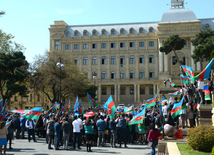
(23,147)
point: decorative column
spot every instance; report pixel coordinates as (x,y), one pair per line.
(118,67)
(138,91)
(192,61)
(165,63)
(118,93)
(127,67)
(108,69)
(154,89)
(160,58)
(135,93)
(99,67)
(147,66)
(115,93)
(89,67)
(99,93)
(137,66)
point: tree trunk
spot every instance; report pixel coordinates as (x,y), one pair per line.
(182,71)
(201,64)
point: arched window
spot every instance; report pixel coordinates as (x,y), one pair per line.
(94,74)
(132,75)
(104,76)
(38,98)
(122,31)
(131,31)
(151,74)
(76,33)
(141,30)
(207,26)
(67,33)
(103,32)
(85,32)
(122,74)
(112,31)
(142,74)
(94,32)
(113,75)
(150,29)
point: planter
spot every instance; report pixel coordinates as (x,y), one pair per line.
(213,116)
(205,114)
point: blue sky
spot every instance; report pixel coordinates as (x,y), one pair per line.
(29,20)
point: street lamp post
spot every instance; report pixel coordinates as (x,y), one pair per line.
(60,66)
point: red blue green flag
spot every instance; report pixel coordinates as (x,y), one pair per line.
(138,119)
(107,132)
(56,106)
(69,106)
(63,109)
(140,104)
(171,83)
(163,102)
(150,102)
(110,107)
(185,80)
(206,92)
(177,108)
(78,106)
(163,96)
(175,93)
(130,109)
(170,100)
(188,71)
(34,113)
(92,101)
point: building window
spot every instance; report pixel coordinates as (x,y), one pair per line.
(103,32)
(122,61)
(57,45)
(141,30)
(141,44)
(76,46)
(132,59)
(131,90)
(112,31)
(151,74)
(151,59)
(38,98)
(131,44)
(94,32)
(150,29)
(103,45)
(76,33)
(94,46)
(141,59)
(103,60)
(104,75)
(30,97)
(122,45)
(85,46)
(85,61)
(122,90)
(142,90)
(112,90)
(94,74)
(113,75)
(113,60)
(131,31)
(113,45)
(86,75)
(132,75)
(66,33)
(94,60)
(122,75)
(76,61)
(142,74)
(151,90)
(151,43)
(207,26)
(85,32)
(174,60)
(122,31)
(67,47)
(104,90)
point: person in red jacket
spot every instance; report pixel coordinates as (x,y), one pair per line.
(153,137)
(178,133)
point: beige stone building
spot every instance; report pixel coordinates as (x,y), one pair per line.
(124,59)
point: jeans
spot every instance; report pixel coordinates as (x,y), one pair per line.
(50,137)
(101,137)
(113,137)
(76,135)
(128,134)
(56,140)
(31,132)
(18,131)
(155,143)
(23,131)
(66,140)
(123,134)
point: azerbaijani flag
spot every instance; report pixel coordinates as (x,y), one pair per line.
(161,114)
(205,73)
(63,109)
(92,101)
(56,106)
(21,112)
(78,106)
(206,92)
(107,132)
(185,80)
(110,107)
(130,109)
(177,108)
(150,102)
(69,106)
(163,102)
(170,100)
(34,113)
(8,123)
(140,104)
(188,70)
(138,119)
(171,83)
(175,93)
(3,110)
(194,107)
(119,112)
(163,96)
(141,126)
(1,107)
(45,112)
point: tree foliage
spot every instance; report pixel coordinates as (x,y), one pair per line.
(13,67)
(45,77)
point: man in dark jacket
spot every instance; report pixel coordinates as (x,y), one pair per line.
(112,126)
(210,84)
(101,126)
(66,128)
(147,121)
(22,125)
(17,126)
(57,129)
(50,132)
(122,127)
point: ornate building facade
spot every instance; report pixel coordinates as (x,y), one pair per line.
(124,59)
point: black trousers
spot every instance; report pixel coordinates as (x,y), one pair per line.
(31,132)
(123,134)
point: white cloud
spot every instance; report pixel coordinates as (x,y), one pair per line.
(38,15)
(63,12)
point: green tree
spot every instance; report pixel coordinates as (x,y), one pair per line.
(205,46)
(13,68)
(173,43)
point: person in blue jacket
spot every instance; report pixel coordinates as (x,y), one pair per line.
(57,129)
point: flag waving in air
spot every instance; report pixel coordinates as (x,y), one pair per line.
(78,106)
(163,96)
(56,106)
(69,106)
(177,108)
(138,119)
(3,110)
(150,102)
(63,109)
(140,104)
(130,109)
(110,107)
(170,101)
(34,113)
(163,102)
(186,80)
(171,83)
(175,93)
(188,71)
(206,92)
(92,101)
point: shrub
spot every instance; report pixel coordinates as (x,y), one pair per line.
(213,151)
(201,138)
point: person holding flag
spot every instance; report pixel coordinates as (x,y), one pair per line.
(122,128)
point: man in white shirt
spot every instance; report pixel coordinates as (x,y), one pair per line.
(164,110)
(76,132)
(30,129)
(81,128)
